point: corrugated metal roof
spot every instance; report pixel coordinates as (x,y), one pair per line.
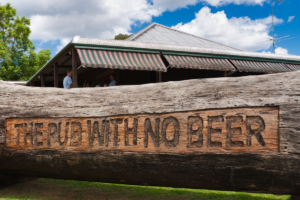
(185,49)
(157,33)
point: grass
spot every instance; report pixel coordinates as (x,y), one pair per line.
(64,189)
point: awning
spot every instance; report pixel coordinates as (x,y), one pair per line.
(260,67)
(293,67)
(121,60)
(196,62)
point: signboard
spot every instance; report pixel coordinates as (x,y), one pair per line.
(218,131)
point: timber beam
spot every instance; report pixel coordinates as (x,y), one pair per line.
(63,67)
(66,60)
(54,75)
(52,63)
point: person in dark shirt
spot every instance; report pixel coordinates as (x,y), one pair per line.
(112,80)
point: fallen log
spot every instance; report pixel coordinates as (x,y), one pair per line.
(239,134)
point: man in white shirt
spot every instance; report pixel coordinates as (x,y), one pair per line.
(68,80)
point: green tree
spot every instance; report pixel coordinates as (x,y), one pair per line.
(122,37)
(28,64)
(18,60)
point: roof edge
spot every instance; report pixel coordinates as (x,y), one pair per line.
(186,49)
(141,31)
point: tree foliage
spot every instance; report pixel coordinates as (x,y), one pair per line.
(28,64)
(122,36)
(18,60)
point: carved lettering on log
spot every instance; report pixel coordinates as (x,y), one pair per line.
(226,130)
(198,143)
(211,131)
(101,134)
(18,126)
(132,131)
(233,131)
(154,135)
(76,134)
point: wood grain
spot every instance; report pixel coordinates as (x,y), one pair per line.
(226,130)
(271,172)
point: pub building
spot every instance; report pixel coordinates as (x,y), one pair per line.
(155,54)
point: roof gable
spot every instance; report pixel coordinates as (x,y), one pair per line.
(157,33)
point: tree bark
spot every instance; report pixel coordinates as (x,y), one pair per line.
(219,107)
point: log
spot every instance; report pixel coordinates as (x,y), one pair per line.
(238,134)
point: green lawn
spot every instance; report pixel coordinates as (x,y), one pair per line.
(62,189)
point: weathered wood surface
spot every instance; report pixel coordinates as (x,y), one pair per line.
(274,172)
(225,130)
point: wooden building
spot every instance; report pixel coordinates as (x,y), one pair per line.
(155,54)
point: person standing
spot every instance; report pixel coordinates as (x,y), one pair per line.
(112,80)
(68,80)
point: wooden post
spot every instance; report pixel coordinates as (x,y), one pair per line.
(158,77)
(117,78)
(56,74)
(74,68)
(43,80)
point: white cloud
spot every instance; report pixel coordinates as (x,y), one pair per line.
(243,33)
(53,20)
(63,19)
(175,4)
(60,19)
(63,43)
(281,51)
(102,19)
(238,2)
(171,5)
(290,19)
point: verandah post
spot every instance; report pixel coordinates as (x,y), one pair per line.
(74,68)
(56,74)
(43,76)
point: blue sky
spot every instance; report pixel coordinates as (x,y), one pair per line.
(243,24)
(282,10)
